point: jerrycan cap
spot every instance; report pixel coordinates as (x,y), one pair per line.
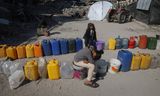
(53,61)
(37,44)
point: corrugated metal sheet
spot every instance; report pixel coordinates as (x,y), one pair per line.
(144,4)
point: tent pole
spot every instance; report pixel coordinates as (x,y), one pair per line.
(102,7)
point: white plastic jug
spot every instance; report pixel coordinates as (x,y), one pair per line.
(42,67)
(16,79)
(1,63)
(13,67)
(6,67)
(66,70)
(158,45)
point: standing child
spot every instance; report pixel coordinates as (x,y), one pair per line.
(90,35)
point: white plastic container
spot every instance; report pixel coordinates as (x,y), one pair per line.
(6,67)
(1,69)
(158,45)
(155,63)
(137,41)
(16,79)
(42,67)
(114,66)
(83,42)
(13,67)
(66,71)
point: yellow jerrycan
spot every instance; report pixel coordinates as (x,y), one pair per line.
(31,70)
(53,69)
(21,51)
(136,62)
(146,61)
(11,52)
(3,51)
(30,50)
(111,44)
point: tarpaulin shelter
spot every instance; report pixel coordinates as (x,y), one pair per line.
(99,10)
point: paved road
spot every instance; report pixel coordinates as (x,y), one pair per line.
(133,83)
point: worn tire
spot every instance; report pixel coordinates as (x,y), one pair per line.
(108,17)
(130,18)
(121,17)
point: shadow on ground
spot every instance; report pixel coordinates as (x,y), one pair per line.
(26,30)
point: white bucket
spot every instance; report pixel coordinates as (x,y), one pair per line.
(114,66)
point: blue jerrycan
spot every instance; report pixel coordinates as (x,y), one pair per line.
(79,44)
(63,46)
(46,46)
(55,47)
(118,43)
(125,57)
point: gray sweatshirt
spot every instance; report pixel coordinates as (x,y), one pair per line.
(84,54)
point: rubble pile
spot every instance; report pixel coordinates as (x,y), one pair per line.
(76,11)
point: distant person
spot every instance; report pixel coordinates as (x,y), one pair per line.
(90,35)
(85,58)
(42,29)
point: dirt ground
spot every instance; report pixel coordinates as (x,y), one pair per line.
(133,83)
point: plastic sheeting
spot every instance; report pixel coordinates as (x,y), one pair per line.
(151,16)
(143,4)
(99,10)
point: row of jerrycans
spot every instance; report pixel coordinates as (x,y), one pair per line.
(118,43)
(141,61)
(33,69)
(142,42)
(21,51)
(30,50)
(61,46)
(3,51)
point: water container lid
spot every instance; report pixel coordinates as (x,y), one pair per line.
(45,40)
(31,63)
(53,61)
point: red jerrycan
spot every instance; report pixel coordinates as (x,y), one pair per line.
(132,42)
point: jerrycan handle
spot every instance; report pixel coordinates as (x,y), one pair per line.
(125,51)
(45,41)
(37,44)
(138,52)
(54,60)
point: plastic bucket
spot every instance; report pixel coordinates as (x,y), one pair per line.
(100,45)
(114,66)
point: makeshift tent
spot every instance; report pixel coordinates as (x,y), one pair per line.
(99,10)
(147,11)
